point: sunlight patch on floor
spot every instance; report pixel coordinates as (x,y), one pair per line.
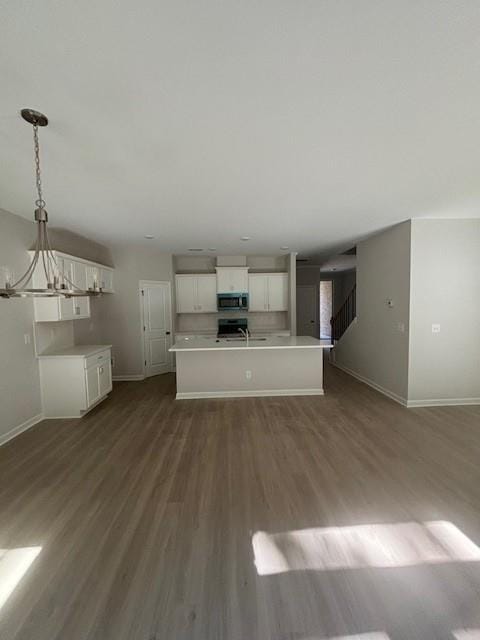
(14,564)
(466,634)
(372,545)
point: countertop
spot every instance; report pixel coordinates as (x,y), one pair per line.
(76,351)
(223,344)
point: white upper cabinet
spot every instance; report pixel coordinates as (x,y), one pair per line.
(196,293)
(257,292)
(106,280)
(207,293)
(277,291)
(232,279)
(79,273)
(268,292)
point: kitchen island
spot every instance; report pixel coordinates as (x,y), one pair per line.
(209,367)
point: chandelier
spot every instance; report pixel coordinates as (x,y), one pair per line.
(58,284)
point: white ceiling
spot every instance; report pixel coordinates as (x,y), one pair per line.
(307,123)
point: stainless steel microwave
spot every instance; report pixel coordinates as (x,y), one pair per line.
(232,301)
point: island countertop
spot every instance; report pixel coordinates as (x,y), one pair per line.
(235,344)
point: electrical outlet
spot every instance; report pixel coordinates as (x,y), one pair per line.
(401,327)
(435,328)
(248,374)
(26,338)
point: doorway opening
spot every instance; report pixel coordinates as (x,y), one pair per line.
(326,309)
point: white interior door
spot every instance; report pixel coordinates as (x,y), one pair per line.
(307,311)
(157,327)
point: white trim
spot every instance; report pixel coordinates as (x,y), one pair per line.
(16,431)
(410,404)
(371,383)
(132,378)
(193,395)
(443,402)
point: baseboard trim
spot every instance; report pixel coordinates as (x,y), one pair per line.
(442,402)
(16,431)
(198,395)
(133,378)
(372,384)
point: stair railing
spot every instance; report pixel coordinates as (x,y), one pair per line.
(345,315)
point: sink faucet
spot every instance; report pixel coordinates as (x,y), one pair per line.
(245,333)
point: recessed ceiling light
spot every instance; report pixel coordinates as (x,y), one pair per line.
(149,237)
(195,249)
(284,248)
(245,238)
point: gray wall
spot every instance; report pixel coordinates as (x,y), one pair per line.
(342,282)
(445,290)
(116,318)
(373,347)
(20,399)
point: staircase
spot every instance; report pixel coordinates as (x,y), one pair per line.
(345,315)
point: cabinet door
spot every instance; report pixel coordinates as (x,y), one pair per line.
(79,273)
(186,294)
(232,280)
(257,292)
(81,307)
(278,292)
(92,277)
(206,288)
(92,385)
(66,310)
(239,280)
(66,268)
(104,379)
(224,281)
(106,280)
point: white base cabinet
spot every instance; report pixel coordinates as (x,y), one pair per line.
(73,383)
(268,292)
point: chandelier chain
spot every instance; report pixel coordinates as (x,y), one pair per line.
(40,202)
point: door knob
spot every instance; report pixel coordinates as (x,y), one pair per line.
(167,333)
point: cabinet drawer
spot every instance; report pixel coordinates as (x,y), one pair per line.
(97,358)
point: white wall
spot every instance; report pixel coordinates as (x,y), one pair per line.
(374,348)
(19,379)
(20,400)
(117,319)
(445,290)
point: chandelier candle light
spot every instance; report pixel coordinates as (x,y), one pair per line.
(58,283)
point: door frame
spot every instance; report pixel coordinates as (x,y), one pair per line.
(141,285)
(332,280)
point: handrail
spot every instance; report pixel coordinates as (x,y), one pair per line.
(345,315)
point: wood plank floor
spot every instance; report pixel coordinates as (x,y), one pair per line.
(143,514)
